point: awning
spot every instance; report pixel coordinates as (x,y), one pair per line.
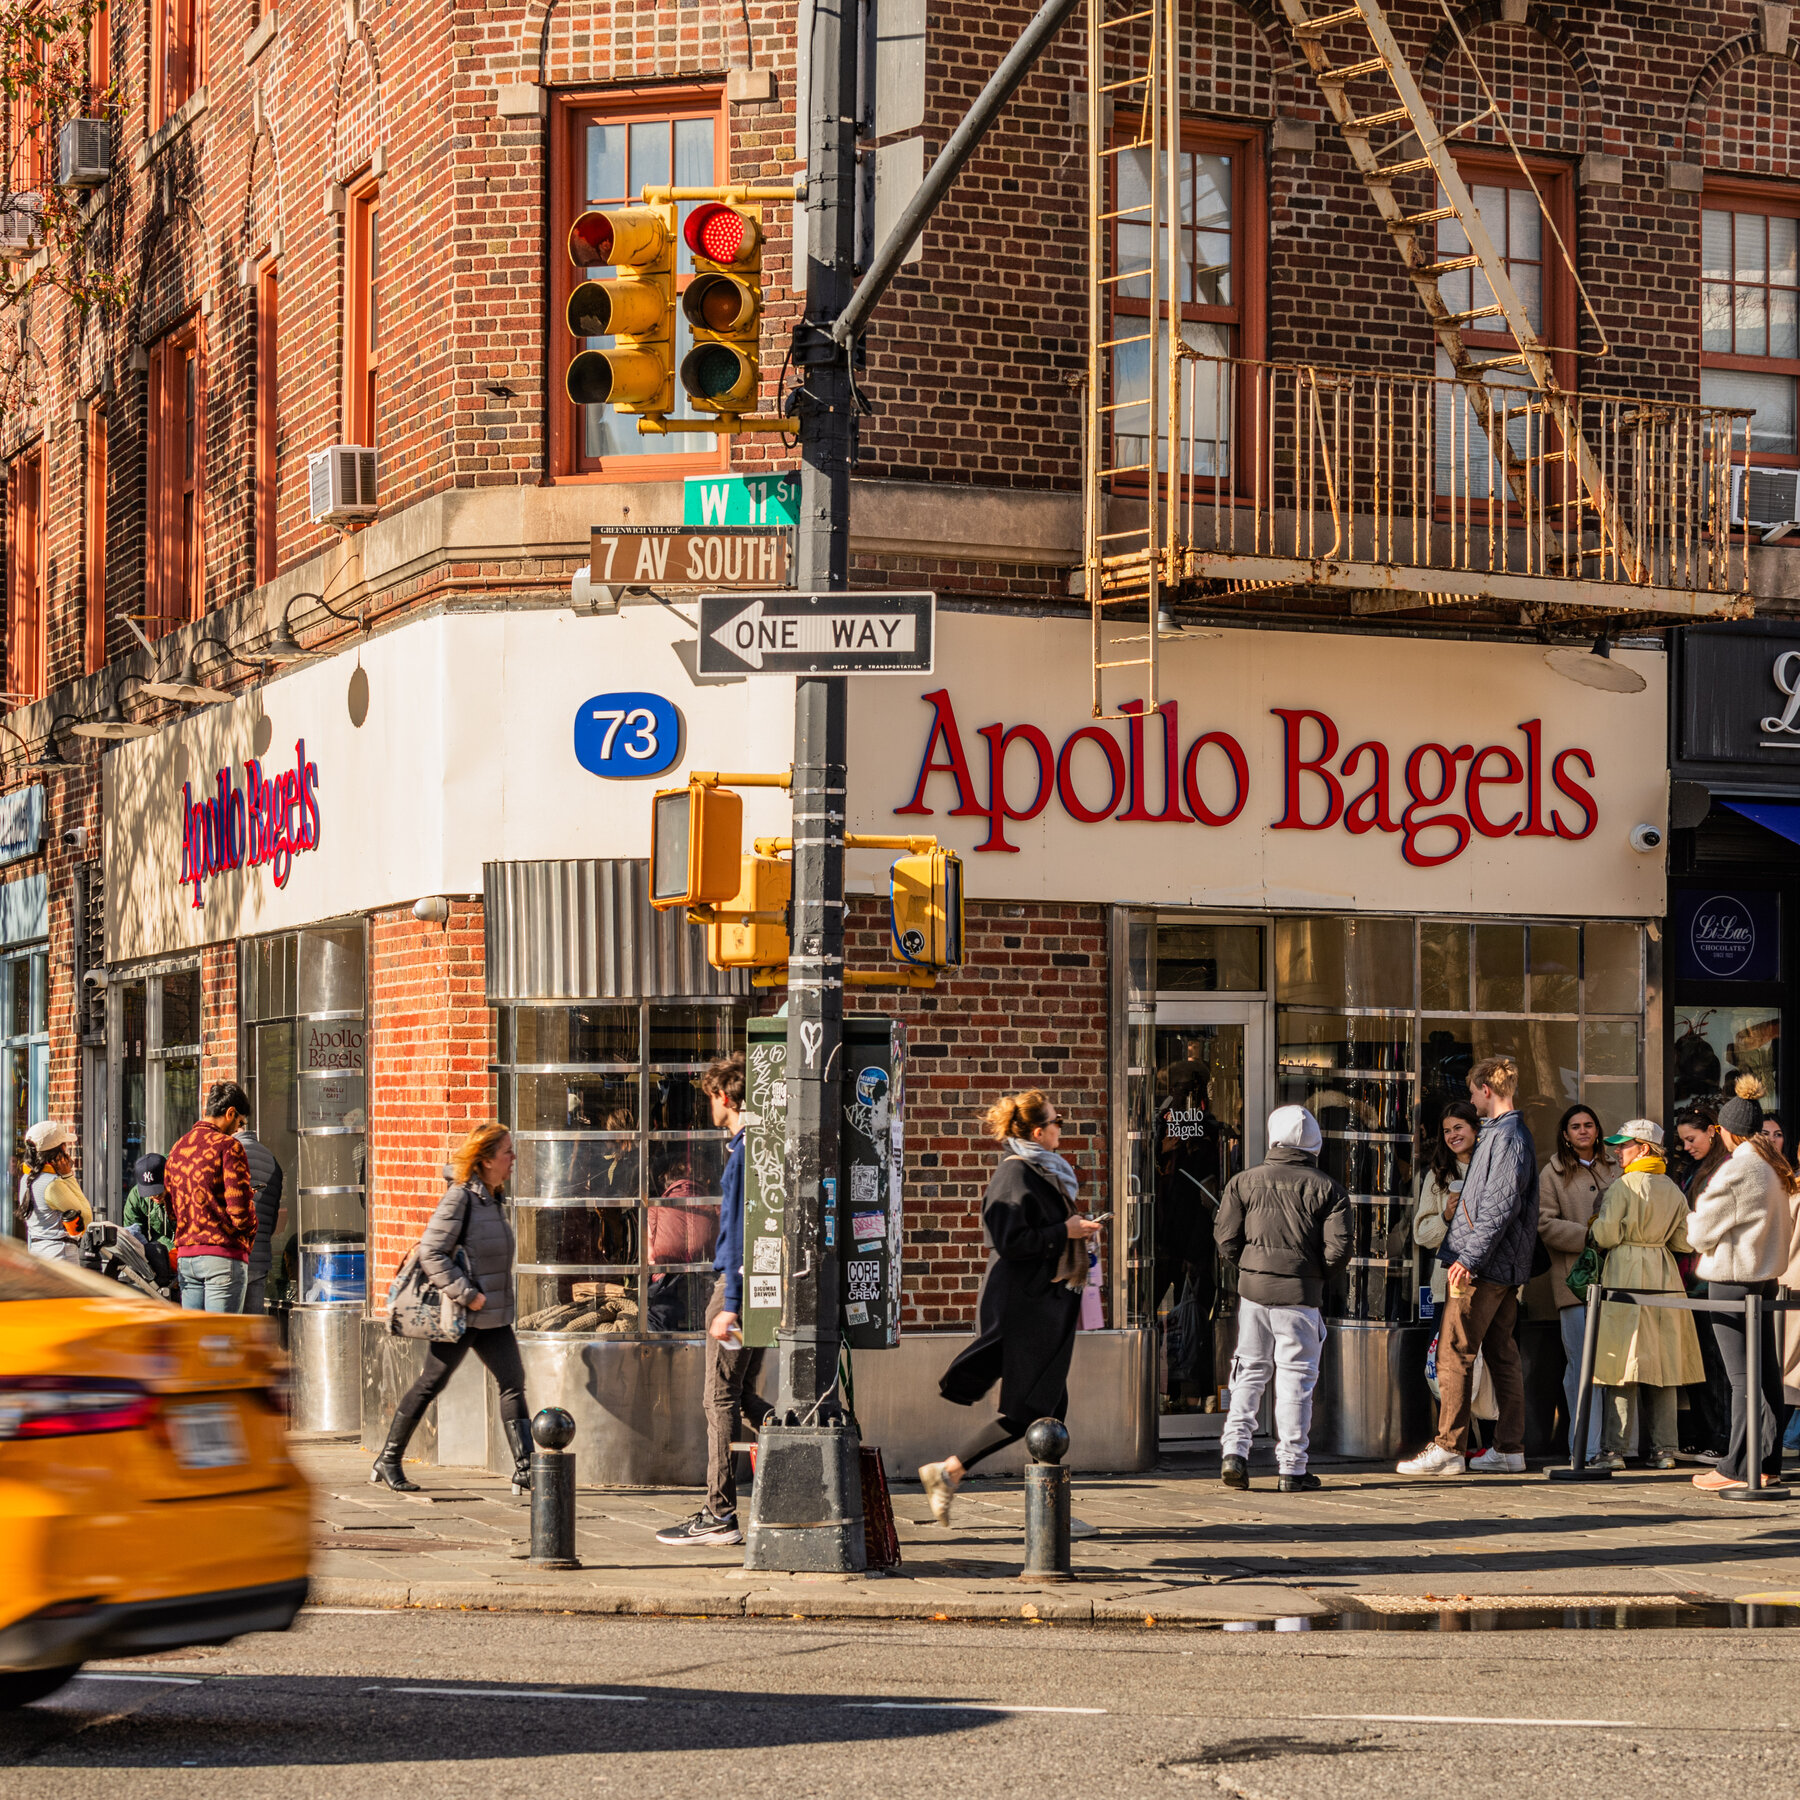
(1773,815)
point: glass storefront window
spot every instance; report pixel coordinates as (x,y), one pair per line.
(155,1030)
(1208,959)
(1345,962)
(615,1194)
(24,1057)
(1714,1045)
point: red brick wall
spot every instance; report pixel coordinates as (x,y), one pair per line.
(431,1038)
(218,1015)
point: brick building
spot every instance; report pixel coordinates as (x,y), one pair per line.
(346,225)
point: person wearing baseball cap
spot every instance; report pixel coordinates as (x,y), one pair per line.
(51,1206)
(1645,1352)
(147,1212)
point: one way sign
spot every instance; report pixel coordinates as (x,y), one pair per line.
(816,634)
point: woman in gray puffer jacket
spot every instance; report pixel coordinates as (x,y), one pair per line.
(470,1217)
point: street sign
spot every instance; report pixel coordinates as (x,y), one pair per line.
(816,634)
(673,556)
(709,501)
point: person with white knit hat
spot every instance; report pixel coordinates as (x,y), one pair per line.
(1285,1225)
(51,1206)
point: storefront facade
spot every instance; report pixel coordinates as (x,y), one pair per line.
(1390,857)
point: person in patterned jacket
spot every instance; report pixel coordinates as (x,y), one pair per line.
(207,1184)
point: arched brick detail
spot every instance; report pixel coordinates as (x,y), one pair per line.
(356,105)
(581,41)
(1236,61)
(1539,74)
(1742,111)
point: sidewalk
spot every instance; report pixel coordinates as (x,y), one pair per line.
(1173,1547)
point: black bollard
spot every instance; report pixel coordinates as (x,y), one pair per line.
(1757,1488)
(1047,1503)
(553,1491)
(1578,1469)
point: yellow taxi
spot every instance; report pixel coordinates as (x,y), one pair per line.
(147,1499)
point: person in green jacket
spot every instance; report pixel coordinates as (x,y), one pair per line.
(146,1210)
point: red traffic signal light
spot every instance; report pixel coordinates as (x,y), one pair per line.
(723,234)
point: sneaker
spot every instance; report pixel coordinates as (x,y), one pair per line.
(1711,1481)
(1712,1458)
(1234,1471)
(1434,1459)
(1607,1459)
(1299,1484)
(702,1528)
(1498,1462)
(1663,1459)
(938,1490)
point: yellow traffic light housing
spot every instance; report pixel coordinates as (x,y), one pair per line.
(723,306)
(696,842)
(927,908)
(636,309)
(743,935)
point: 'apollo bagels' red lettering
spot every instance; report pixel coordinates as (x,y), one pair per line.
(268,817)
(1436,798)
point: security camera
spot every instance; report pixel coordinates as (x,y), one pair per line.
(1646,838)
(75,838)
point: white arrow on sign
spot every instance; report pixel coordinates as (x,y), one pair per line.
(749,635)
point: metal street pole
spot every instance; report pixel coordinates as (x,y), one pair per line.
(806,1507)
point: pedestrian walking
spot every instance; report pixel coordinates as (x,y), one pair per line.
(1488,1250)
(1446,1165)
(1707,1433)
(731,1370)
(1570,1189)
(1284,1225)
(471,1218)
(1030,1294)
(1742,1226)
(266,1178)
(207,1183)
(1646,1353)
(53,1211)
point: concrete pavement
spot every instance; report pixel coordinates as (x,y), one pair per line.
(1173,1546)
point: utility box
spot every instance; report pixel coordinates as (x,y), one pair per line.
(863,1211)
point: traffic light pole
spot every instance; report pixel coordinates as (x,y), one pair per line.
(806,1507)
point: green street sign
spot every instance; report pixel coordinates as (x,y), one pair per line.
(716,500)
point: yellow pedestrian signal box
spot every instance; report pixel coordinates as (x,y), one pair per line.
(696,843)
(723,305)
(927,907)
(736,942)
(636,308)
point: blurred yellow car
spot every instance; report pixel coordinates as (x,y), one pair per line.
(147,1499)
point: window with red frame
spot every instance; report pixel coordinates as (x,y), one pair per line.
(607,154)
(362,318)
(1749,333)
(1516,224)
(27,170)
(99,50)
(177,56)
(267,447)
(1220,247)
(176,572)
(25,569)
(94,543)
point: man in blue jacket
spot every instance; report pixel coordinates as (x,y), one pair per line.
(1488,1249)
(730,1368)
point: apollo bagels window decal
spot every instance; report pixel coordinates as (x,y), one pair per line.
(266,816)
(1436,798)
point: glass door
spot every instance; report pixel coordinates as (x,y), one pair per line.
(1207,1124)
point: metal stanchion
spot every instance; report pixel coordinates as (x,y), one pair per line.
(1578,1469)
(1047,1504)
(1754,1487)
(553,1491)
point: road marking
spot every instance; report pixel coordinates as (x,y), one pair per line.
(960,1706)
(161,1680)
(506,1693)
(1466,1719)
(354,1612)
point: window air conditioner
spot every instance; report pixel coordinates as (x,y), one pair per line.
(20,228)
(83,153)
(340,483)
(1765,499)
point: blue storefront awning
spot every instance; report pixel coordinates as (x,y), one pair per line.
(1773,815)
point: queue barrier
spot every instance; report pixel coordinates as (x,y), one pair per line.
(1752,1307)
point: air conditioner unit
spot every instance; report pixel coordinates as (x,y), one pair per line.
(340,484)
(83,153)
(21,228)
(1765,499)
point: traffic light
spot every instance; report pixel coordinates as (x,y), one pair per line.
(723,304)
(696,839)
(637,308)
(766,886)
(927,908)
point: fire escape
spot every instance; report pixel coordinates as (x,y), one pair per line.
(1484,496)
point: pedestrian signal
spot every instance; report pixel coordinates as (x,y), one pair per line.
(927,908)
(696,841)
(723,305)
(636,308)
(736,942)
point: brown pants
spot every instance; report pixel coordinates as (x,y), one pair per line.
(728,1368)
(1482,1322)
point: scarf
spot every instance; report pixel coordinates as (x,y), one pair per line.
(1072,1270)
(1653,1165)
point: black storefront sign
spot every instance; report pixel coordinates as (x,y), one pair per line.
(1727,936)
(1739,702)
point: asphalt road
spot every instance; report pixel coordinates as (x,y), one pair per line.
(447,1704)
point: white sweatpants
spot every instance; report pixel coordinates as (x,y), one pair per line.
(1285,1341)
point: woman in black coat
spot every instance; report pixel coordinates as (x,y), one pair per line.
(1030,1296)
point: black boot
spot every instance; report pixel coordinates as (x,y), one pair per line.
(518,1434)
(387,1471)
